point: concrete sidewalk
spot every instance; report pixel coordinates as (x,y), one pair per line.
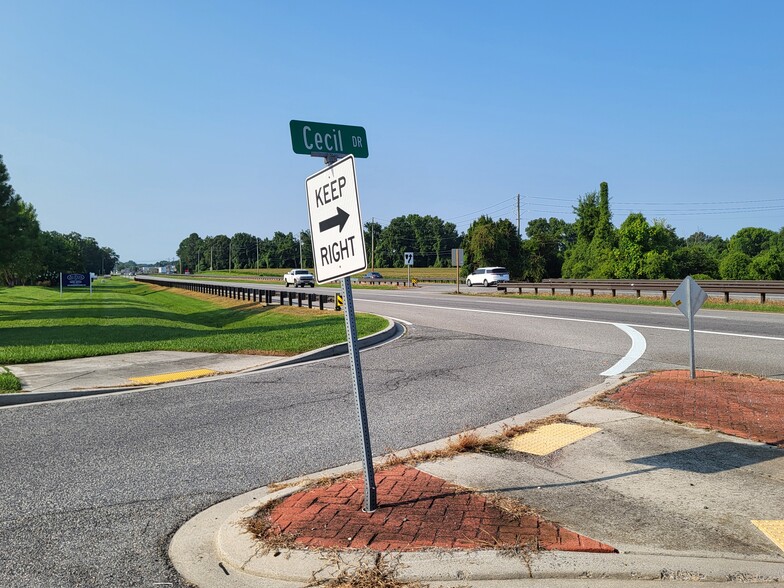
(611,497)
(89,376)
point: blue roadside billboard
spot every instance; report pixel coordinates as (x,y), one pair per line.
(75,279)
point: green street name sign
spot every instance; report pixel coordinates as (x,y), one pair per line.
(321,139)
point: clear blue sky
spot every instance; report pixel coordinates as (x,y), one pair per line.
(138,123)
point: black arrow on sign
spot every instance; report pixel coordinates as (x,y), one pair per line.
(334,221)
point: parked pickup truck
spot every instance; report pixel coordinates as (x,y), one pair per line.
(299,277)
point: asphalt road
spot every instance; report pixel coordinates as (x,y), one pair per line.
(94,488)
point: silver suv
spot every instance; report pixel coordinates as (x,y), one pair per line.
(487,276)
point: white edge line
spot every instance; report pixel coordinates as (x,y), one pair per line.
(638,348)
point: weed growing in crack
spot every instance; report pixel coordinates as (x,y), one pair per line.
(371,570)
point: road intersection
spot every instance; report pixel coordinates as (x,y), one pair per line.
(96,487)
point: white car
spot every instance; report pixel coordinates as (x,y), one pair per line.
(299,277)
(487,276)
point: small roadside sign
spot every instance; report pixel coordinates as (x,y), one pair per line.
(335,221)
(689,298)
(338,242)
(76,279)
(408,258)
(457,261)
(325,139)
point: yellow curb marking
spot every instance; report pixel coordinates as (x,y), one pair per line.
(173,377)
(773,530)
(550,438)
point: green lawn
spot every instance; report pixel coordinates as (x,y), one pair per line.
(123,316)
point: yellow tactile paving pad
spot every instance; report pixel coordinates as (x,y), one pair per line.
(773,530)
(550,438)
(173,377)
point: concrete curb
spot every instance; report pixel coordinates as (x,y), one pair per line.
(202,549)
(238,549)
(392,331)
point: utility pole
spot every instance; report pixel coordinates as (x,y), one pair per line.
(212,248)
(257,255)
(229,255)
(373,244)
(518,216)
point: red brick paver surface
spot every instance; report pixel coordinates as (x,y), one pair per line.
(415,511)
(740,405)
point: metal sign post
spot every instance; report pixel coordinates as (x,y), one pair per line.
(457,261)
(359,396)
(338,242)
(689,298)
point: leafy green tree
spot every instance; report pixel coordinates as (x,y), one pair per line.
(587,215)
(633,243)
(26,263)
(428,237)
(216,249)
(19,231)
(752,240)
(243,251)
(715,242)
(734,265)
(768,265)
(396,238)
(285,250)
(591,255)
(544,249)
(373,242)
(306,243)
(109,259)
(189,252)
(489,243)
(692,260)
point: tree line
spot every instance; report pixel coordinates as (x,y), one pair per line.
(29,255)
(590,247)
(430,238)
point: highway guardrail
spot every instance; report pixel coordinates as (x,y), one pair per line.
(726,287)
(250,292)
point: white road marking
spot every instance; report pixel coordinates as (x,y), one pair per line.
(638,348)
(399,320)
(577,320)
(720,333)
(631,327)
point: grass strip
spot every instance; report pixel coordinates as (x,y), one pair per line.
(122,316)
(711,303)
(9,382)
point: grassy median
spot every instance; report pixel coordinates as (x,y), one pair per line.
(121,316)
